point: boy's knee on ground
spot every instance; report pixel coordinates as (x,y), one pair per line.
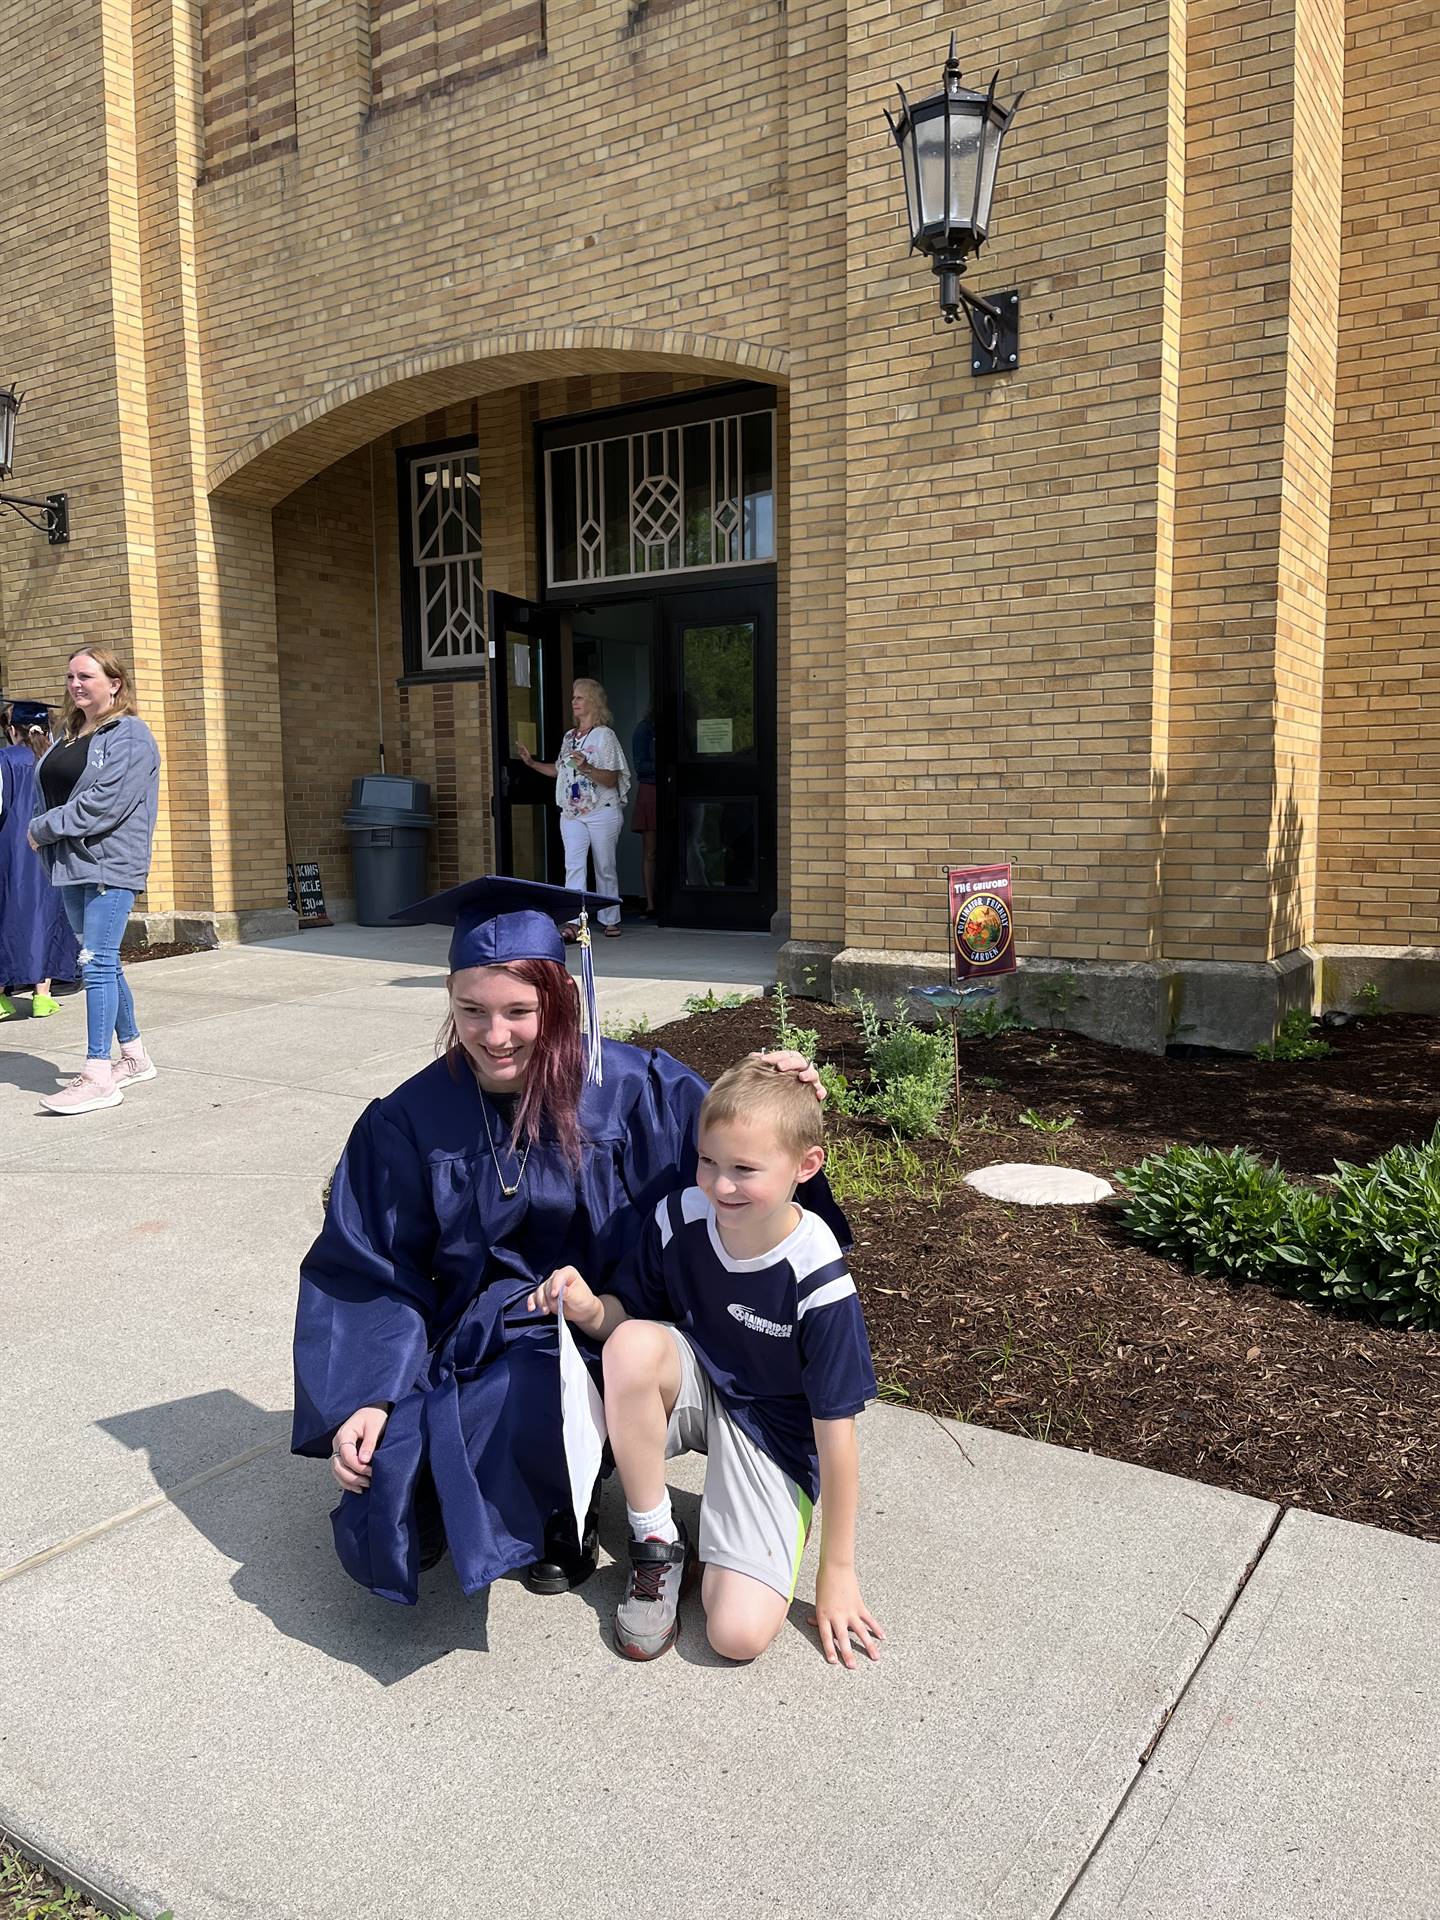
(742,1616)
(738,1638)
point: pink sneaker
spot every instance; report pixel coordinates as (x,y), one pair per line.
(92,1089)
(131,1068)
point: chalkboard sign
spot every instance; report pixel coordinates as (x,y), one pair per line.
(307,895)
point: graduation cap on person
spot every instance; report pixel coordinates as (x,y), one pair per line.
(498,920)
(29,713)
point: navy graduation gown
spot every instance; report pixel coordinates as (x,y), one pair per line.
(35,938)
(414,1294)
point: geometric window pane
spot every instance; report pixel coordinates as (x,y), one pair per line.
(445,541)
(664,500)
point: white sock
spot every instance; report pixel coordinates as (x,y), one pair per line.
(657,1524)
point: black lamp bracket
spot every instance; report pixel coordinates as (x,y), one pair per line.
(994,322)
(53,515)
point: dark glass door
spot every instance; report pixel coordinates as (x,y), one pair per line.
(715,754)
(525,707)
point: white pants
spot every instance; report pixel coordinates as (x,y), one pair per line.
(594,836)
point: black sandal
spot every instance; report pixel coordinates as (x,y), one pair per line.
(570,934)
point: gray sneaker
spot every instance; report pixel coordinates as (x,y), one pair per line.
(647,1620)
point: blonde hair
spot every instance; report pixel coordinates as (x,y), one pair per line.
(599,700)
(75,723)
(754,1091)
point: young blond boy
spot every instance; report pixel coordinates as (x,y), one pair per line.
(735,1330)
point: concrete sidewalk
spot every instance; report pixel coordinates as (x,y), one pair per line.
(1106,1693)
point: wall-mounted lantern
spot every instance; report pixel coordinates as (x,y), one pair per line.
(53,512)
(949,151)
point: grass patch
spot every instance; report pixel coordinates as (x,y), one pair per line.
(28,1893)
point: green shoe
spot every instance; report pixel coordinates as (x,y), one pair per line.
(41,1004)
(7,1007)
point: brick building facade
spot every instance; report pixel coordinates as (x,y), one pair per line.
(1154,616)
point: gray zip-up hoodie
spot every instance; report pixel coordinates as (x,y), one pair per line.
(101,836)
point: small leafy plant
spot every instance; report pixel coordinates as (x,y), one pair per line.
(1030,1118)
(988,1022)
(1370,1002)
(625,1026)
(1058,995)
(712,1002)
(1294,1040)
(788,1037)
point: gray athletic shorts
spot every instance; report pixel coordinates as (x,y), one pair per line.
(753,1517)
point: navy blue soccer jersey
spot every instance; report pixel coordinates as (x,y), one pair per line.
(781,1336)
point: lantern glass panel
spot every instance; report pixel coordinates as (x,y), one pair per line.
(929,139)
(912,188)
(7,435)
(989,160)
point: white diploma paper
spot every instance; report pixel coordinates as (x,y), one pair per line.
(582,1416)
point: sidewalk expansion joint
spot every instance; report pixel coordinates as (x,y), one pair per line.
(153,1505)
(1168,1714)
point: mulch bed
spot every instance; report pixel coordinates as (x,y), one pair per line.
(1050,1322)
(131,956)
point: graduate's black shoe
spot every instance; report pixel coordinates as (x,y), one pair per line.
(561,1568)
(429,1526)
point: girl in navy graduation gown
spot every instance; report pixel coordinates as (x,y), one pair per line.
(417,1366)
(36,944)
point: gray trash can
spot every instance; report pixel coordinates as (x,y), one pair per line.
(389,824)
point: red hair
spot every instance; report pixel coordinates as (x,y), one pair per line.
(550,1102)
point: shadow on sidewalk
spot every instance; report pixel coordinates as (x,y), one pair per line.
(271,1517)
(29,1073)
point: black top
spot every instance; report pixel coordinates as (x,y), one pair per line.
(63,766)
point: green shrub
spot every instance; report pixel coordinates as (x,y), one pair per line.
(1375,1242)
(911,1071)
(910,1105)
(1370,1239)
(1219,1213)
(1294,1040)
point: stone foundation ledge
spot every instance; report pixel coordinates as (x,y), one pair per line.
(1406,978)
(208,929)
(1149,1005)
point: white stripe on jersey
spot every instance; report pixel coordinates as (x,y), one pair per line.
(823,1296)
(662,1220)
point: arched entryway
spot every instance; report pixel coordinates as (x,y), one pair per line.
(432,599)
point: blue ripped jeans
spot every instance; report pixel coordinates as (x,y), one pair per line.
(98,916)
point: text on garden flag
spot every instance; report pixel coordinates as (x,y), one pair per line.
(982,921)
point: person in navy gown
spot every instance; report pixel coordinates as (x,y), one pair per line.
(529,1144)
(37,946)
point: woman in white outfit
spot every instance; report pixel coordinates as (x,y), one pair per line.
(592,782)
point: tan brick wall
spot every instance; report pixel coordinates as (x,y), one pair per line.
(1103,615)
(421,46)
(248,82)
(1256,356)
(1380,817)
(1003,535)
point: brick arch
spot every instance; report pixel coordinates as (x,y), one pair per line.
(353,413)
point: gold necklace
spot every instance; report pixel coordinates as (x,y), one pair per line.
(509,1192)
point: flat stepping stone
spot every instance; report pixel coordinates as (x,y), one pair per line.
(1039,1186)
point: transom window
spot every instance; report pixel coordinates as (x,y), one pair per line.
(667,499)
(449,602)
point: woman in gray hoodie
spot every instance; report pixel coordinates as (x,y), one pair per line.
(94,821)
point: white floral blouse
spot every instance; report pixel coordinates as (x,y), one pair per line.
(575,792)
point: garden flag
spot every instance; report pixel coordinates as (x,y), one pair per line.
(982,923)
